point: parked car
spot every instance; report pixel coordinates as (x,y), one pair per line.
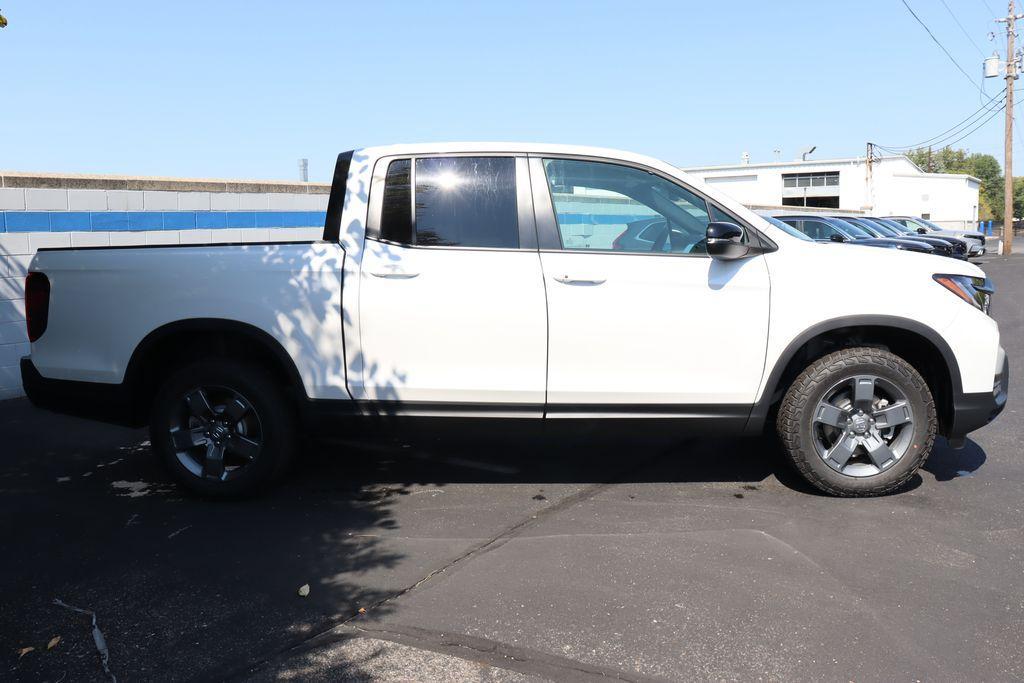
(787,228)
(876,229)
(827,229)
(653,234)
(975,239)
(484,281)
(958,245)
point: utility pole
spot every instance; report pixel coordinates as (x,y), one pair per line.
(869,201)
(1011,75)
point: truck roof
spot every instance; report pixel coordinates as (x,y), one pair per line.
(508,147)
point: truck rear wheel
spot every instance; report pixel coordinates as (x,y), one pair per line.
(858,422)
(222,428)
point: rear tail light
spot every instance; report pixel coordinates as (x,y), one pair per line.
(37,304)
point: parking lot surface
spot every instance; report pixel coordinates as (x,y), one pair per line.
(469,553)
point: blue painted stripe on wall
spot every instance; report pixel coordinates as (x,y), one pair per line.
(27,221)
(211,220)
(179,220)
(110,220)
(240,219)
(65,221)
(72,220)
(600,218)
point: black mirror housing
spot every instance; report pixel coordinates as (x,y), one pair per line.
(922,231)
(725,241)
(836,237)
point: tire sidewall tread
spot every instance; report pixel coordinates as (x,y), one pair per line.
(794,424)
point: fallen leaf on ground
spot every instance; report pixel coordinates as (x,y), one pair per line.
(24,651)
(304,590)
(53,642)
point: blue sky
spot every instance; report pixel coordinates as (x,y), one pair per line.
(243,89)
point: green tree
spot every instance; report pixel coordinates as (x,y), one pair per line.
(1018,197)
(944,160)
(985,168)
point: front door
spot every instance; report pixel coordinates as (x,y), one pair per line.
(640,318)
(451,302)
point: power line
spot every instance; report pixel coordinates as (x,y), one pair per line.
(950,143)
(954,130)
(971,132)
(962,29)
(985,2)
(941,46)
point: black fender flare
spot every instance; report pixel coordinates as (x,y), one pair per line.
(759,411)
(135,368)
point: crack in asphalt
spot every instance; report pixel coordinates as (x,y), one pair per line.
(493,543)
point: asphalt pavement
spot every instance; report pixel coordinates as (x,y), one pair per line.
(559,552)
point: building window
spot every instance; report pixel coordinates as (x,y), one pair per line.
(820,202)
(830,179)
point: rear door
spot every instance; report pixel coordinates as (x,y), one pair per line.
(452,309)
(641,319)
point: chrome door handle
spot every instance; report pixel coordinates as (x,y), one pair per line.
(568,280)
(395,275)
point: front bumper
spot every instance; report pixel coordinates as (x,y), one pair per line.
(974,411)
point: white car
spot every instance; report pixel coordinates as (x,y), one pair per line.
(488,280)
(975,240)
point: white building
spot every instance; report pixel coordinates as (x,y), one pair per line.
(897,187)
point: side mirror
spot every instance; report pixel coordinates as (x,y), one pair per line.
(724,241)
(836,237)
(922,231)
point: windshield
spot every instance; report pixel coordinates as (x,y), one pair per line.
(894,226)
(852,228)
(870,227)
(931,225)
(789,229)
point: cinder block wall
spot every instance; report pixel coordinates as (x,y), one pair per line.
(50,210)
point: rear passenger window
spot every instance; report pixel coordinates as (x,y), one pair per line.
(396,216)
(466,202)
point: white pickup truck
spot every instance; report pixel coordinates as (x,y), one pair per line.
(520,281)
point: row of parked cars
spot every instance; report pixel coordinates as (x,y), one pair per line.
(891,232)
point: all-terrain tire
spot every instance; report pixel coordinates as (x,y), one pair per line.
(796,417)
(266,399)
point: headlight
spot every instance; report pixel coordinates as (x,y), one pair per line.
(977,291)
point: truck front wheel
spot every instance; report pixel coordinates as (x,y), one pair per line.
(222,428)
(858,422)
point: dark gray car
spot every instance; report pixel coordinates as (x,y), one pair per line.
(828,229)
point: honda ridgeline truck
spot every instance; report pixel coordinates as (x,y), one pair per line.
(489,281)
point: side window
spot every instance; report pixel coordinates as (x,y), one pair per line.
(466,202)
(459,202)
(396,214)
(821,230)
(604,206)
(797,225)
